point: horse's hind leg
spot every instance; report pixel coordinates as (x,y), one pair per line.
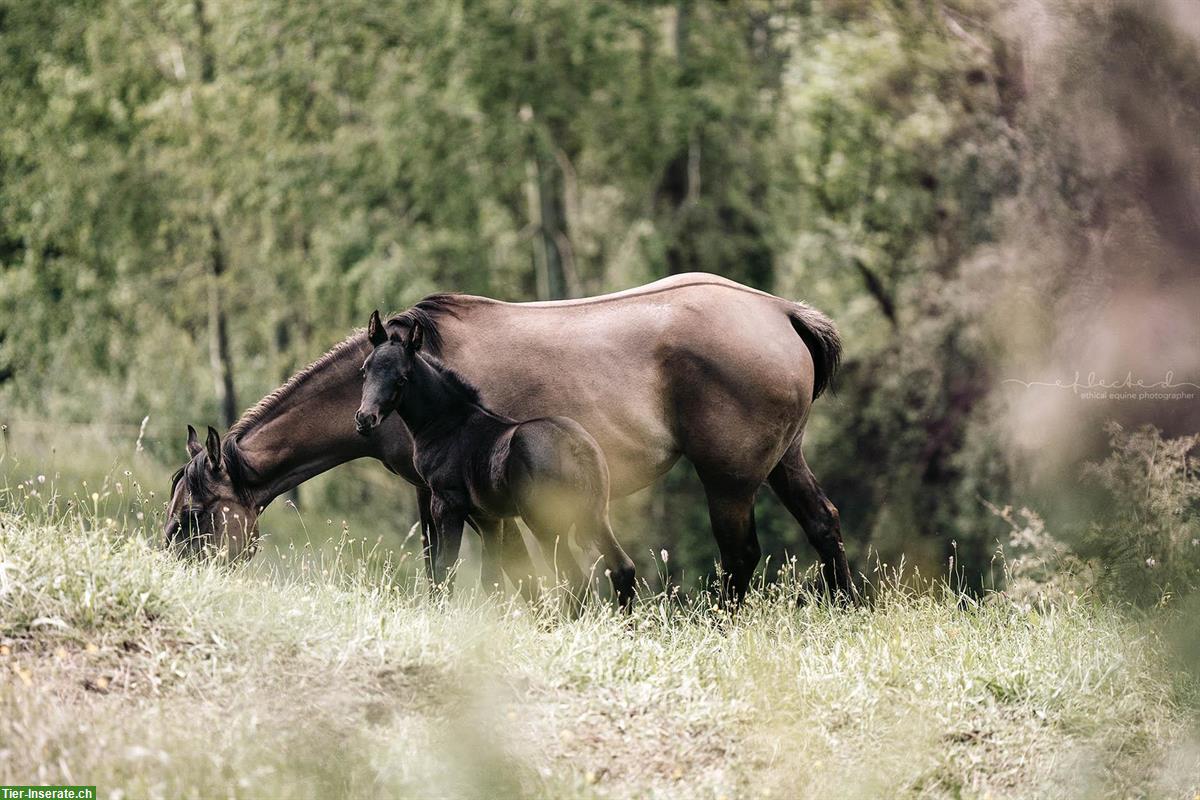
(731,512)
(799,491)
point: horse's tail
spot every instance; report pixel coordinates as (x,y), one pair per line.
(823,341)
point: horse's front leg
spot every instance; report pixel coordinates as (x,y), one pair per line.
(448,521)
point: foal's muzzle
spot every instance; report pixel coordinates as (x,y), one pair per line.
(365,422)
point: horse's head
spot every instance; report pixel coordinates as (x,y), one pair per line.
(207,515)
(385,372)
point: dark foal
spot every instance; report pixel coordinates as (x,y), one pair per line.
(487,467)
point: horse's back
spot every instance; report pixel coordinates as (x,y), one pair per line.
(621,346)
(652,373)
(671,283)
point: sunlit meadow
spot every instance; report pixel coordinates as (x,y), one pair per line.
(330,672)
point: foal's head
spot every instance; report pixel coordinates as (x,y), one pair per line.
(385,372)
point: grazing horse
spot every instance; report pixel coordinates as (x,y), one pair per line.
(692,366)
(488,467)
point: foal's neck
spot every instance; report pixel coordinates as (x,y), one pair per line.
(434,403)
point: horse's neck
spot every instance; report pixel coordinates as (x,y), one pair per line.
(308,431)
(431,406)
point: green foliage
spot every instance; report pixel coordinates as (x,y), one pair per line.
(276,169)
(1039,569)
(1147,531)
(1140,544)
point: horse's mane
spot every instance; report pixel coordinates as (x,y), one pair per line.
(468,390)
(426,314)
(260,409)
(234,465)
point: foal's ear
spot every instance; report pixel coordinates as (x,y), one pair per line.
(193,442)
(376,333)
(213,448)
(416,337)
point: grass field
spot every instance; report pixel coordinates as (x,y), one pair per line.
(306,677)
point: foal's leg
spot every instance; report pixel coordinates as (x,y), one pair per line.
(618,563)
(546,499)
(553,539)
(449,524)
(428,533)
(799,491)
(490,532)
(515,559)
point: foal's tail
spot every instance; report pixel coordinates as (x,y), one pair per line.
(823,340)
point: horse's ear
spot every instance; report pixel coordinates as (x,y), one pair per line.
(416,337)
(213,448)
(193,442)
(376,333)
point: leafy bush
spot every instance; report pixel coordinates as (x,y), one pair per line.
(1146,533)
(1140,543)
(1039,569)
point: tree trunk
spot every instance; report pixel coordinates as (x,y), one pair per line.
(556,285)
(680,184)
(543,196)
(208,61)
(219,352)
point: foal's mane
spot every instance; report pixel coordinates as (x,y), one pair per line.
(468,390)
